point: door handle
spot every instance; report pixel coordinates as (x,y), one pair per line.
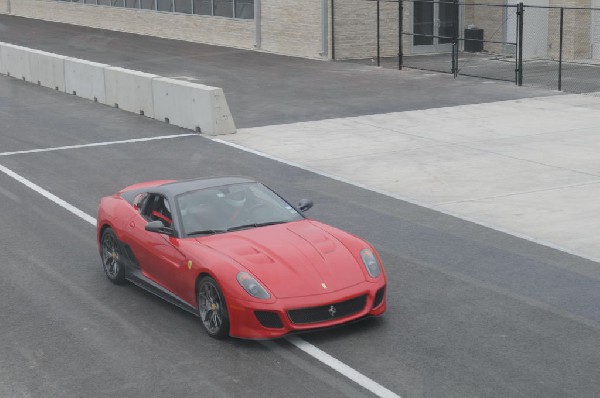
(132,224)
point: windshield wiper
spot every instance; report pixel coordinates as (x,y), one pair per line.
(255,225)
(207,232)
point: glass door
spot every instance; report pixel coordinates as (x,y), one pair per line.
(434,24)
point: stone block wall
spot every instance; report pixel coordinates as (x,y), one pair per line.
(198,28)
(491,19)
(292,27)
(356,29)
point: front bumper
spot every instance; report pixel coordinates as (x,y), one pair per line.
(244,322)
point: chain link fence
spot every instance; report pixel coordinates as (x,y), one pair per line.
(553,47)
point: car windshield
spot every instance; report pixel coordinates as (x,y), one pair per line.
(231,208)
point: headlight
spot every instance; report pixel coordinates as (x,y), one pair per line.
(370,262)
(252,286)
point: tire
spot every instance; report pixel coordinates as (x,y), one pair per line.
(111,257)
(212,308)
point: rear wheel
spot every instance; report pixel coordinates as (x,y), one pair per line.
(111,257)
(212,308)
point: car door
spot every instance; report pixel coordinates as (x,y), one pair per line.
(157,254)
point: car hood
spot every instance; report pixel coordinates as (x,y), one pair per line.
(291,260)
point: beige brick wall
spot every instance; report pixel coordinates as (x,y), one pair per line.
(356,29)
(197,28)
(577,32)
(491,20)
(577,24)
(292,27)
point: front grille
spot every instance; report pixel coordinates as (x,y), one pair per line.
(328,312)
(379,297)
(269,319)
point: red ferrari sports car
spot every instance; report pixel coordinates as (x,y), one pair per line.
(240,257)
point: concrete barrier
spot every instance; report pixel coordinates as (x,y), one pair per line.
(130,90)
(3,58)
(47,69)
(16,61)
(184,104)
(192,106)
(85,79)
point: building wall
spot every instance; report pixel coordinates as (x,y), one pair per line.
(292,27)
(198,28)
(596,30)
(577,31)
(286,27)
(356,29)
(493,22)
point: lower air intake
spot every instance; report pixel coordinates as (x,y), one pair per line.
(379,297)
(269,319)
(328,312)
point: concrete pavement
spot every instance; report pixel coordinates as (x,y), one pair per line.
(529,167)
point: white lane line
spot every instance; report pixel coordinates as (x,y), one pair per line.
(58,148)
(409,200)
(303,345)
(48,195)
(342,368)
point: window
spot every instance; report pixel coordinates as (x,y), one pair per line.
(183,6)
(203,7)
(164,5)
(223,8)
(157,208)
(240,9)
(147,4)
(244,9)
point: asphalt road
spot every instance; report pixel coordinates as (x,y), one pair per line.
(472,312)
(263,89)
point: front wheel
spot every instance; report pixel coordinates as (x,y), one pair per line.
(212,308)
(111,257)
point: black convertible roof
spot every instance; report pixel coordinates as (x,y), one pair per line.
(179,187)
(172,189)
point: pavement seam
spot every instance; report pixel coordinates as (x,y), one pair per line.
(518,193)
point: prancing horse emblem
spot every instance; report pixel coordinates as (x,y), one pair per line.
(332,311)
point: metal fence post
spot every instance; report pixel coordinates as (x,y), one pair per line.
(455,41)
(400,27)
(520,12)
(378,37)
(324,28)
(560,51)
(258,23)
(453,68)
(332,31)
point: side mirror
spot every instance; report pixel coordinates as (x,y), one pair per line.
(159,227)
(305,204)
